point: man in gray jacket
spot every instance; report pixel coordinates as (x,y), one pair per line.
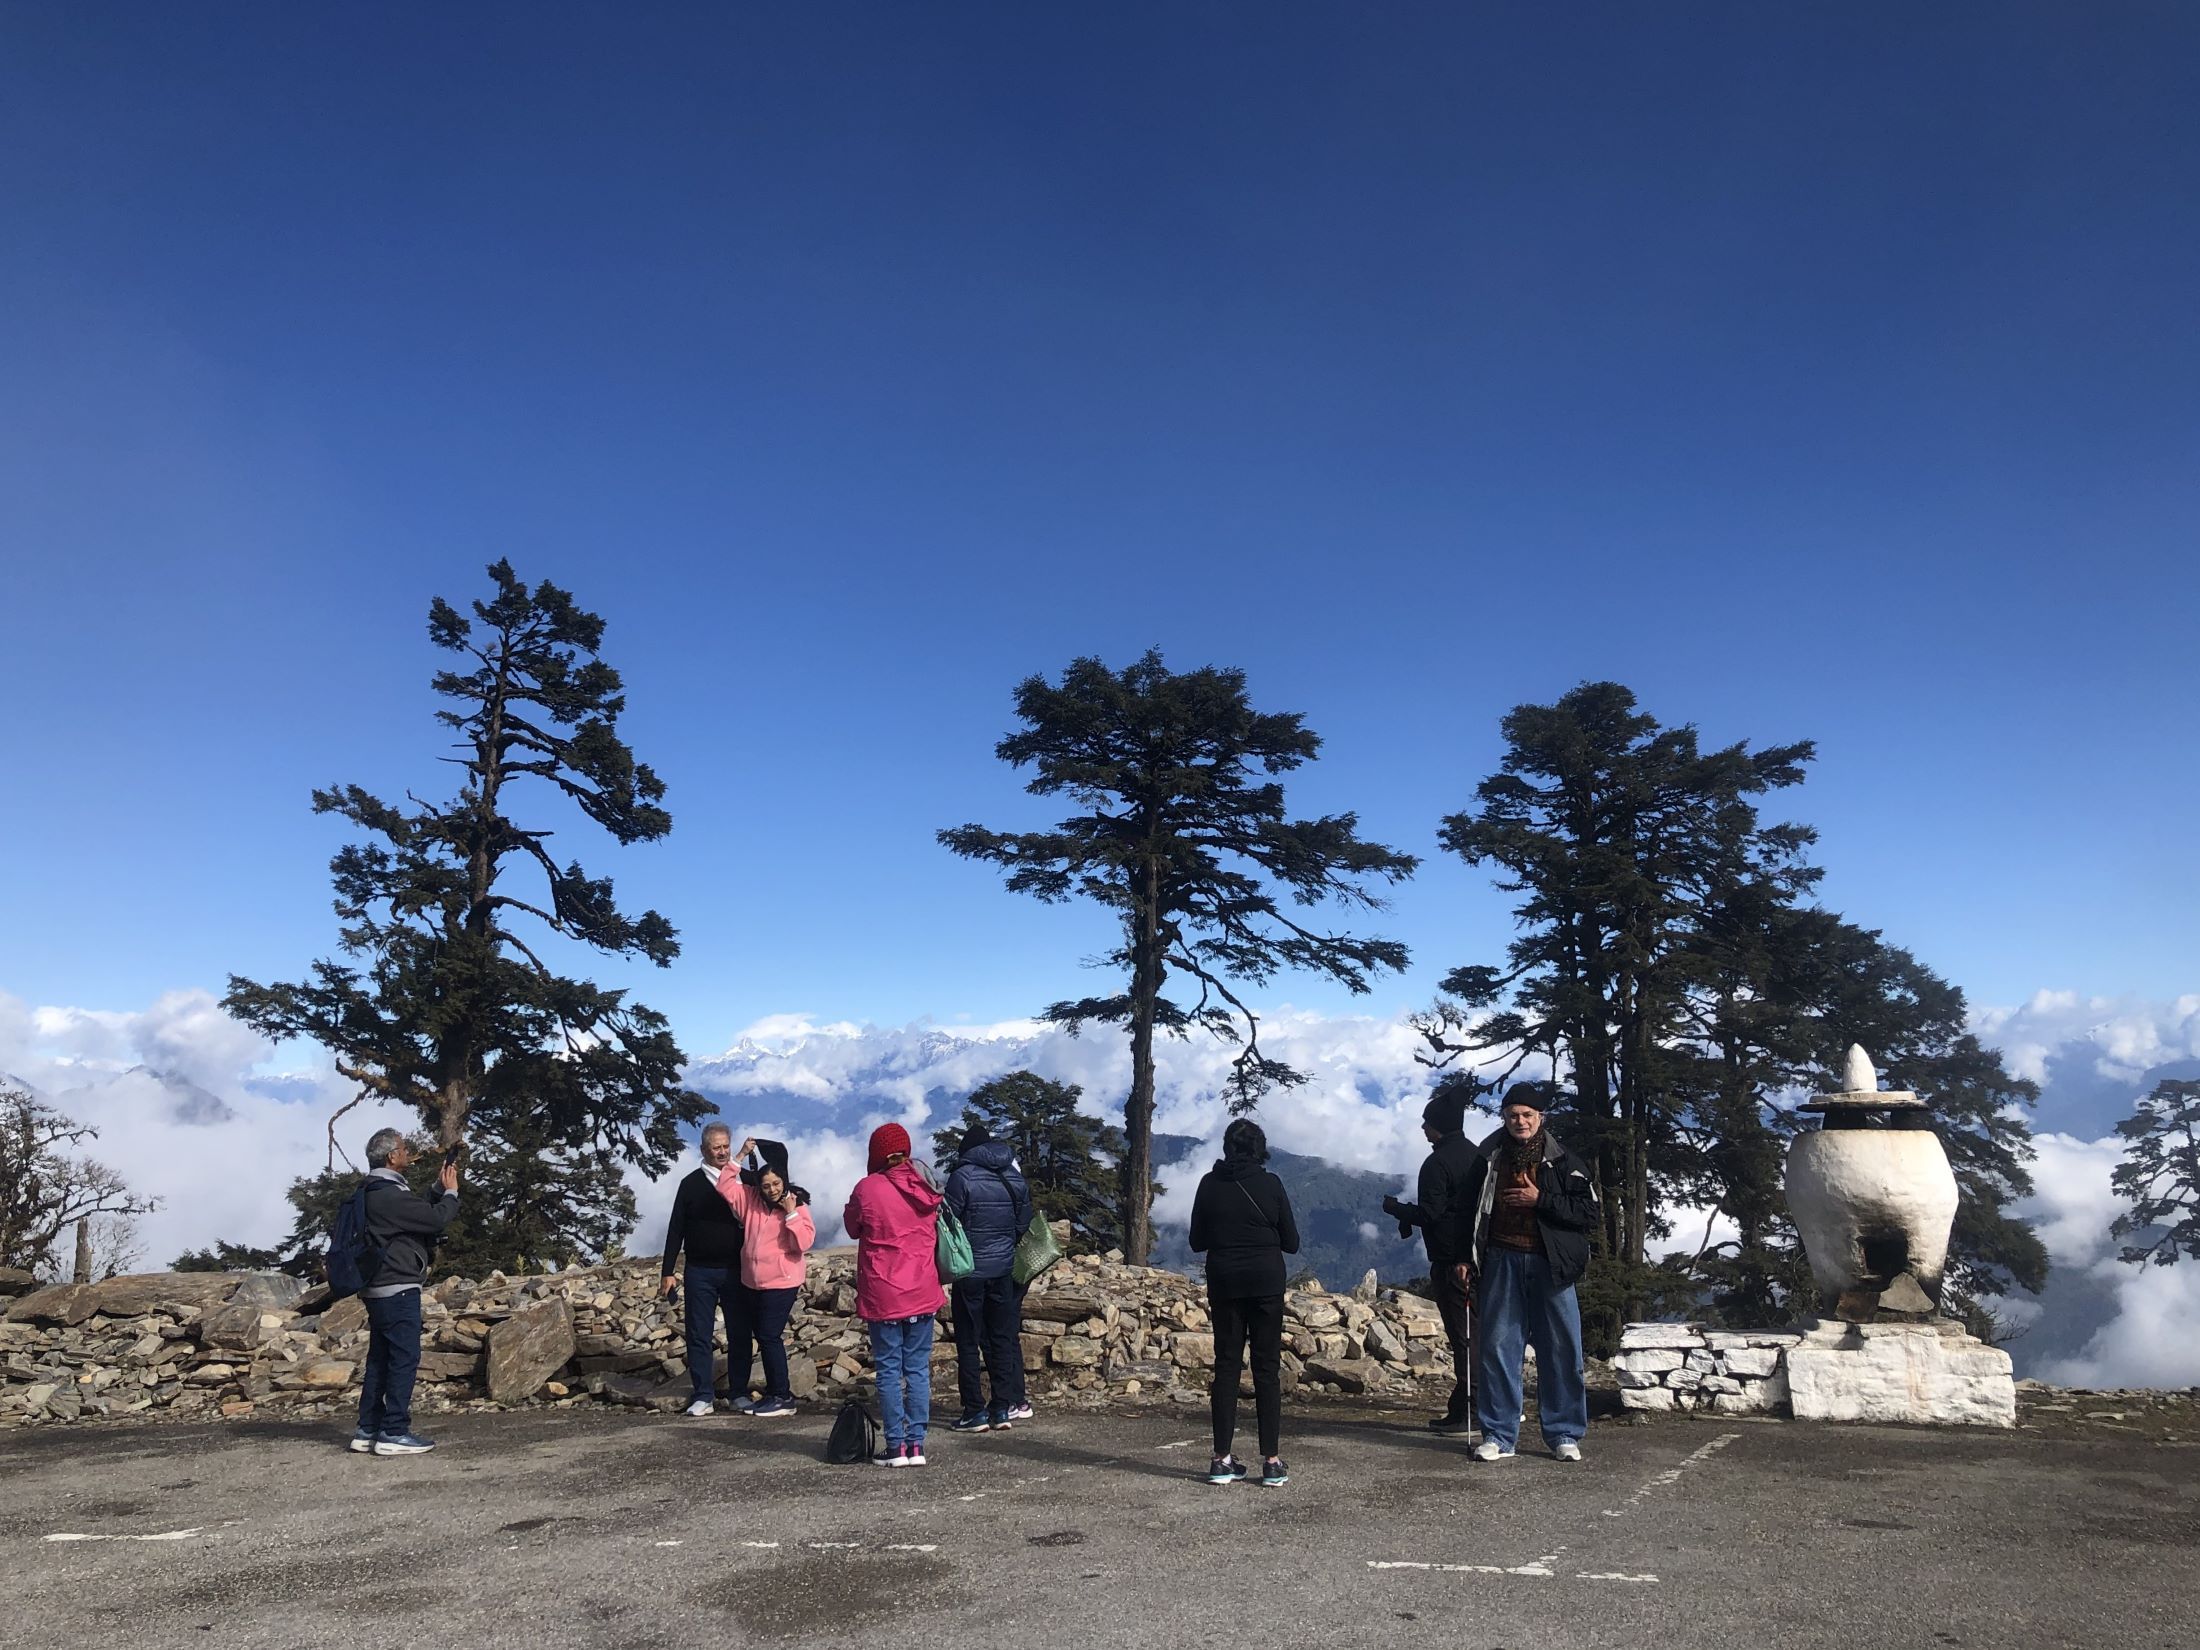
(402,1228)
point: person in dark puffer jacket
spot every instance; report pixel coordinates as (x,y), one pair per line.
(1241,1221)
(990,1197)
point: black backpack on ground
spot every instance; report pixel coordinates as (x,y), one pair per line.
(854,1438)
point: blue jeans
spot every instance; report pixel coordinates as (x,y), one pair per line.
(988,1317)
(393,1360)
(710,1291)
(901,1354)
(1514,1301)
(760,1319)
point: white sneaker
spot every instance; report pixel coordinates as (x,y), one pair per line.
(701,1406)
(1489,1449)
(1568,1451)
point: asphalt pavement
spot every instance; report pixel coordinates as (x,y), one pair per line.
(581,1528)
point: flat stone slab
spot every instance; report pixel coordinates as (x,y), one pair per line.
(1899,1372)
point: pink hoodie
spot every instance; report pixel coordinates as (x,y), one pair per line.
(772,1243)
(893,1216)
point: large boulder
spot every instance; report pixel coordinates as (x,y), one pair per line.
(15,1281)
(142,1292)
(268,1291)
(347,1317)
(235,1328)
(527,1348)
(63,1303)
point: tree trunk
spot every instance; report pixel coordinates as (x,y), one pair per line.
(1137,1171)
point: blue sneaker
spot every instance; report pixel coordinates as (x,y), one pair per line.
(772,1407)
(403,1443)
(362,1442)
(1000,1422)
(975,1422)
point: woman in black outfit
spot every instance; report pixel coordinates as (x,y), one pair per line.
(1241,1221)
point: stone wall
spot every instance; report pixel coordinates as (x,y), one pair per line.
(1679,1366)
(1931,1373)
(194,1345)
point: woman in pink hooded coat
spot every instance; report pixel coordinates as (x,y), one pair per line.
(893,1215)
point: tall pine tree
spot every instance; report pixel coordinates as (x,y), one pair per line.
(1669,970)
(1184,836)
(1068,1159)
(448,1005)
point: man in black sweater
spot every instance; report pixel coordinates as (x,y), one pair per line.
(705,1225)
(1445,1214)
(402,1229)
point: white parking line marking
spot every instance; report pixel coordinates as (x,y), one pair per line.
(911,1546)
(759,1543)
(1182,1443)
(1672,1475)
(1536,1570)
(165,1535)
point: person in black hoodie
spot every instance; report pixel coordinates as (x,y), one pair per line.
(708,1229)
(1445,1214)
(1241,1221)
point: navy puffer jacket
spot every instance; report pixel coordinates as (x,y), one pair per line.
(988,1194)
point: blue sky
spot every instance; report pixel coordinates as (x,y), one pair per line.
(1824,374)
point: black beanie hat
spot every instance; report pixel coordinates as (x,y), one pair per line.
(1446,1113)
(976,1135)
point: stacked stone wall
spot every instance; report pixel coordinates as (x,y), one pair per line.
(196,1345)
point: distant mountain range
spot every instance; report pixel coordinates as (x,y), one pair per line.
(182,1100)
(1343,1232)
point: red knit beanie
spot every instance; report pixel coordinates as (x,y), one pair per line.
(886,1140)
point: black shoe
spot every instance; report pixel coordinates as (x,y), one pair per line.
(1272,1473)
(1452,1425)
(976,1422)
(1225,1469)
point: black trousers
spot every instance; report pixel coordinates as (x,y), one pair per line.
(1239,1320)
(989,1318)
(1457,1312)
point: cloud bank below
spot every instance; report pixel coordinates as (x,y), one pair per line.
(189,1112)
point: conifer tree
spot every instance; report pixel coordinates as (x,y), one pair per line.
(448,1004)
(2160,1175)
(1669,970)
(1067,1158)
(1184,836)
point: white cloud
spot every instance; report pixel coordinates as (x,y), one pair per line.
(2153,1338)
(2119,1036)
(219,1172)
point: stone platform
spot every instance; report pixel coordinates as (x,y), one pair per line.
(1931,1373)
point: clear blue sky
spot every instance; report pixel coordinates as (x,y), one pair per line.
(1822,372)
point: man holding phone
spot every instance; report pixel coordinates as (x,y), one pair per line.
(402,1229)
(1534,1207)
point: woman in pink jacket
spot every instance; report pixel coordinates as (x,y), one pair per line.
(776,1233)
(893,1215)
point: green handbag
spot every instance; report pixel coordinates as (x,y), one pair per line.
(951,1249)
(1036,1250)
